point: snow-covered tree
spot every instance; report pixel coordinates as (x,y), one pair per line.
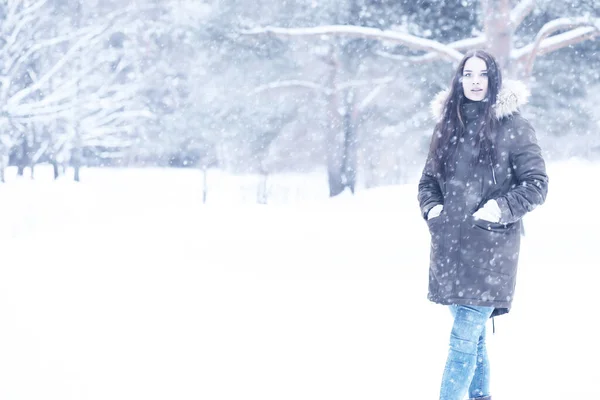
(499,19)
(64,74)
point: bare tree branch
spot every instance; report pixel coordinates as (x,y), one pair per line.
(365,82)
(24,55)
(584,29)
(321,88)
(460,45)
(291,84)
(115,117)
(109,142)
(369,98)
(410,41)
(566,39)
(13,6)
(88,40)
(34,7)
(520,12)
(70,90)
(65,92)
(48,114)
(16,31)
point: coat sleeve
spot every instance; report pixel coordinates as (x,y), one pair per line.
(430,193)
(529,168)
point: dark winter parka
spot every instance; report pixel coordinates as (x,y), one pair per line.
(474,262)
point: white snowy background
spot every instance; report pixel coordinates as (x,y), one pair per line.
(128,287)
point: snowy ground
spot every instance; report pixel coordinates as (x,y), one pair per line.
(126,287)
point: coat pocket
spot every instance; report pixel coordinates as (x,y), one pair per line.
(491,226)
(435,226)
(436,230)
(492,247)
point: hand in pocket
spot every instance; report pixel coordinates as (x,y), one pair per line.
(435,211)
(489,212)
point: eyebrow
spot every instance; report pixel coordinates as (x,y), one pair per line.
(468,70)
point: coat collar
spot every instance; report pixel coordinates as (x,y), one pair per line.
(513,95)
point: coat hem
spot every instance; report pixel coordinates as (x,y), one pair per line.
(470,302)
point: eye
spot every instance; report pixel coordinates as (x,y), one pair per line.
(484,74)
(467,74)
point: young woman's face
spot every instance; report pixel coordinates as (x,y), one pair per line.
(475,79)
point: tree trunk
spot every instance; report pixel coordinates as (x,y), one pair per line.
(55,169)
(4,156)
(350,149)
(23,157)
(76,163)
(334,171)
(498,31)
(261,195)
(204,184)
(334,131)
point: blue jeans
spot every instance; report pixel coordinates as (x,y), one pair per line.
(467,366)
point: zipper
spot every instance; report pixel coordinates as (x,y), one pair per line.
(493,172)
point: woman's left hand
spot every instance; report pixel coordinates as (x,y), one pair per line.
(489,212)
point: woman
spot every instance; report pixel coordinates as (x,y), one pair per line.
(484,172)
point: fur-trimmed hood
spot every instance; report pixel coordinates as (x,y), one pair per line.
(513,95)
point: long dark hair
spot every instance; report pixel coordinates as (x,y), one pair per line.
(451,127)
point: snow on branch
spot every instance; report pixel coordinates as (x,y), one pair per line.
(365,82)
(32,8)
(81,90)
(11,40)
(87,40)
(568,38)
(42,114)
(321,88)
(25,54)
(115,117)
(460,45)
(290,84)
(65,94)
(520,12)
(410,41)
(19,17)
(369,98)
(581,29)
